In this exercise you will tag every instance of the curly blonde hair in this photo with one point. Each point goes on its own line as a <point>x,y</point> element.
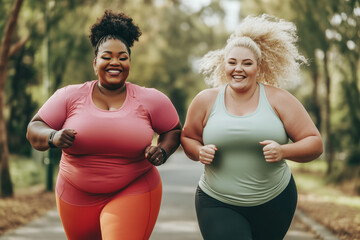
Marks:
<point>273,42</point>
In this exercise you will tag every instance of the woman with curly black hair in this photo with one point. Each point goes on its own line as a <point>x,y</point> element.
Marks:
<point>108,186</point>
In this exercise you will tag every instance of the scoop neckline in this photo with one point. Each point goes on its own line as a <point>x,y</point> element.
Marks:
<point>103,110</point>
<point>243,116</point>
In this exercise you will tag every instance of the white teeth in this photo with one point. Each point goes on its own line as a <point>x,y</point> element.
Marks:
<point>113,71</point>
<point>238,77</point>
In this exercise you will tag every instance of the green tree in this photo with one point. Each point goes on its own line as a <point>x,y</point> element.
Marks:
<point>312,21</point>
<point>175,38</point>
<point>23,74</point>
<point>331,29</point>
<point>5,179</point>
<point>346,22</point>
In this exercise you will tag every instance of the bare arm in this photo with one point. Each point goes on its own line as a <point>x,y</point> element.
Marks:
<point>38,133</point>
<point>191,137</point>
<point>306,140</point>
<point>167,142</point>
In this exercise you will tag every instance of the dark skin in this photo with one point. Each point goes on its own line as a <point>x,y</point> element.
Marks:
<point>38,135</point>
<point>169,141</point>
<point>112,66</point>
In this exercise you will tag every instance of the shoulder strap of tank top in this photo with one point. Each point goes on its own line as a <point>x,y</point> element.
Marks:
<point>219,102</point>
<point>264,100</point>
<point>262,93</point>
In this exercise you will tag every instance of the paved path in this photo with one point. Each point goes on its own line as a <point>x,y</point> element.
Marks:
<point>177,219</point>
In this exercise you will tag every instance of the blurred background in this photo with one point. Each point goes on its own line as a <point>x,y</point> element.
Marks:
<point>45,46</point>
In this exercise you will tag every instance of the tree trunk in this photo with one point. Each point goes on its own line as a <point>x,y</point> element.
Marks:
<point>6,189</point>
<point>315,98</point>
<point>327,126</point>
<point>354,106</point>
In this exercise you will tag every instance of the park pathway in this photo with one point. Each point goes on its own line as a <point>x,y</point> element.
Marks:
<point>177,219</point>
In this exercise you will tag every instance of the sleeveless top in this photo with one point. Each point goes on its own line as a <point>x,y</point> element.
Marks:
<point>239,174</point>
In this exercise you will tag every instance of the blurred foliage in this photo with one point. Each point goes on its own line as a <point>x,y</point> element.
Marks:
<point>330,38</point>
<point>309,181</point>
<point>29,171</point>
<point>174,37</point>
<point>57,52</point>
<point>26,172</point>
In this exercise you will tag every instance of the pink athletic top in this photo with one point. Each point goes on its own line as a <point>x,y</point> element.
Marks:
<point>107,155</point>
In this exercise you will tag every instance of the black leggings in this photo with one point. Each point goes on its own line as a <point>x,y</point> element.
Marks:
<point>270,221</point>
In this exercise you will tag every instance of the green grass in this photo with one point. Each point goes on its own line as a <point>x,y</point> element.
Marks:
<point>30,171</point>
<point>27,172</point>
<point>313,166</point>
<point>311,179</point>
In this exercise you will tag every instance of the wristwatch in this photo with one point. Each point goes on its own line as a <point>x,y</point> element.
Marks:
<point>51,137</point>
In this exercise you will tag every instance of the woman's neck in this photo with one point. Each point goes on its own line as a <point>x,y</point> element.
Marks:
<point>241,103</point>
<point>110,92</point>
<point>244,96</point>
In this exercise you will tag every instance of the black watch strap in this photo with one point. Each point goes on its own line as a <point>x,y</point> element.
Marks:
<point>51,137</point>
<point>164,155</point>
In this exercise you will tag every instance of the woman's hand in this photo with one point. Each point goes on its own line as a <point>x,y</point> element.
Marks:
<point>64,138</point>
<point>155,155</point>
<point>272,151</point>
<point>207,153</point>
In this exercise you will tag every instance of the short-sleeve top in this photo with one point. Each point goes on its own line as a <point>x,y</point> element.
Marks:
<point>108,151</point>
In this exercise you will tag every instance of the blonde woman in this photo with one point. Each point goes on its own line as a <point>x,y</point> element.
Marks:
<point>241,130</point>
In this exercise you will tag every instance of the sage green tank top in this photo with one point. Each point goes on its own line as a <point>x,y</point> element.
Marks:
<point>239,174</point>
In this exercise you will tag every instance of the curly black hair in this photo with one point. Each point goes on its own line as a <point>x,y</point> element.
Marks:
<point>114,26</point>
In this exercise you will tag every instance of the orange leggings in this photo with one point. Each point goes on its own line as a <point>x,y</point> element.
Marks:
<point>130,217</point>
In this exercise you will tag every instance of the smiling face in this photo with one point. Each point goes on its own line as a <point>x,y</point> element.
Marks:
<point>112,64</point>
<point>241,68</point>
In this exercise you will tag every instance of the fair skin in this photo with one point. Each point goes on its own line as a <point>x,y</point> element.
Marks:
<point>241,98</point>
<point>112,66</point>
